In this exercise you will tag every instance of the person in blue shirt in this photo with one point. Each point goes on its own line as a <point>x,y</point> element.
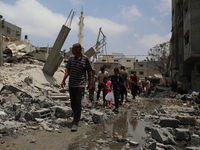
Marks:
<point>116,82</point>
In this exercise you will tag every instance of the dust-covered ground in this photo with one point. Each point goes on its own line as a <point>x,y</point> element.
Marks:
<point>165,120</point>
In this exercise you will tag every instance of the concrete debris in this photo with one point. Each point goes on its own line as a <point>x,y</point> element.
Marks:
<point>63,112</point>
<point>182,134</point>
<point>169,122</point>
<point>28,95</point>
<point>97,117</point>
<point>162,135</point>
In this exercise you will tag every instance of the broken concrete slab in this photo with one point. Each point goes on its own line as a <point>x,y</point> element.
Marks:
<point>59,96</point>
<point>187,120</point>
<point>192,148</point>
<point>62,122</point>
<point>62,111</point>
<point>1,86</point>
<point>42,113</point>
<point>13,99</point>
<point>133,143</point>
<point>182,134</point>
<point>97,117</point>
<point>162,135</point>
<point>152,146</point>
<point>169,122</point>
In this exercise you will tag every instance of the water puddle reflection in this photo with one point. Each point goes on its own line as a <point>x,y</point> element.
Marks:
<point>104,136</point>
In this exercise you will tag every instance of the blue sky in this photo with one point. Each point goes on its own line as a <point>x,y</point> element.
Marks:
<point>132,27</point>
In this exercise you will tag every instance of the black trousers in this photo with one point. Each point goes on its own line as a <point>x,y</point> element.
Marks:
<point>123,92</point>
<point>116,96</point>
<point>76,94</point>
<point>134,90</point>
<point>100,86</point>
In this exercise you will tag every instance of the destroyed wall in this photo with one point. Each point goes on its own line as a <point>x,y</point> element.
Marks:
<point>11,31</point>
<point>184,42</point>
<point>145,68</point>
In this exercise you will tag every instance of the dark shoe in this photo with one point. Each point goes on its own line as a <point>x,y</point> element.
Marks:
<point>74,128</point>
<point>115,110</point>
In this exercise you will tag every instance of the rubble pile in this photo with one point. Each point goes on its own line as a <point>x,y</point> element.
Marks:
<point>172,125</point>
<point>27,95</point>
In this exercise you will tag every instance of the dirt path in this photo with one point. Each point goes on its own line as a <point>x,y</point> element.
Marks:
<point>43,140</point>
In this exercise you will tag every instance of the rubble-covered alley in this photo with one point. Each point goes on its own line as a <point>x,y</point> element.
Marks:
<point>35,113</point>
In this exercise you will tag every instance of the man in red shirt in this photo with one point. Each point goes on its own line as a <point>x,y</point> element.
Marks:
<point>134,83</point>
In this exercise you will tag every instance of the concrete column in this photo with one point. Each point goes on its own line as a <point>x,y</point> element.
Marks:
<point>55,57</point>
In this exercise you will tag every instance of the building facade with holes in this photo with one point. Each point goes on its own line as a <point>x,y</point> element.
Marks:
<point>122,60</point>
<point>145,69</point>
<point>185,43</point>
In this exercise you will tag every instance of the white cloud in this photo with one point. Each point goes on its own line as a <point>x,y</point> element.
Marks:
<point>37,20</point>
<point>109,27</point>
<point>76,2</point>
<point>163,6</point>
<point>130,12</point>
<point>33,18</point>
<point>152,40</point>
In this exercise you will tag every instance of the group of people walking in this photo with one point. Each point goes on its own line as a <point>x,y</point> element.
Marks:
<point>119,84</point>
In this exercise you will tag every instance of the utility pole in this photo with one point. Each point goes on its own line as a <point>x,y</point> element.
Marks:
<point>1,40</point>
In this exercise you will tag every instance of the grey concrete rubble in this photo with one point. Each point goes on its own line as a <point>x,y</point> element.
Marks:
<point>29,95</point>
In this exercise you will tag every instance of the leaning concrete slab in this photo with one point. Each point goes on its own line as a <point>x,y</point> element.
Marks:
<point>55,57</point>
<point>89,53</point>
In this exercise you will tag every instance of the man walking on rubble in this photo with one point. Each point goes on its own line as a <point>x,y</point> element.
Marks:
<point>134,83</point>
<point>77,66</point>
<point>126,81</point>
<point>100,76</point>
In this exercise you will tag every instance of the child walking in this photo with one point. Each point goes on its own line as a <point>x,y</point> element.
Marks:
<point>106,88</point>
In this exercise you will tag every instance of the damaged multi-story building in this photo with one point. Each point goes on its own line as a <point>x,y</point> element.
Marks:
<point>185,43</point>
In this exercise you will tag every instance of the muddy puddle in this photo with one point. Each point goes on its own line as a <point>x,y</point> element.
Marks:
<point>107,132</point>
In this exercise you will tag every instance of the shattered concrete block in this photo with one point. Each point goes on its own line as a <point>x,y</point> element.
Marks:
<point>61,122</point>
<point>8,127</point>
<point>127,146</point>
<point>13,99</point>
<point>63,111</point>
<point>2,114</point>
<point>16,106</point>
<point>4,130</point>
<point>121,139</point>
<point>43,113</point>
<point>60,96</point>
<point>97,117</point>
<point>12,89</point>
<point>28,116</point>
<point>169,122</point>
<point>192,148</point>
<point>182,134</point>
<point>152,146</point>
<point>101,141</point>
<point>28,80</point>
<point>162,135</point>
<point>133,143</point>
<point>187,120</point>
<point>1,86</point>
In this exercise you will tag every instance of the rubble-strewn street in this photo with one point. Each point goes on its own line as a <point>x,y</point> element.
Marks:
<point>35,113</point>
